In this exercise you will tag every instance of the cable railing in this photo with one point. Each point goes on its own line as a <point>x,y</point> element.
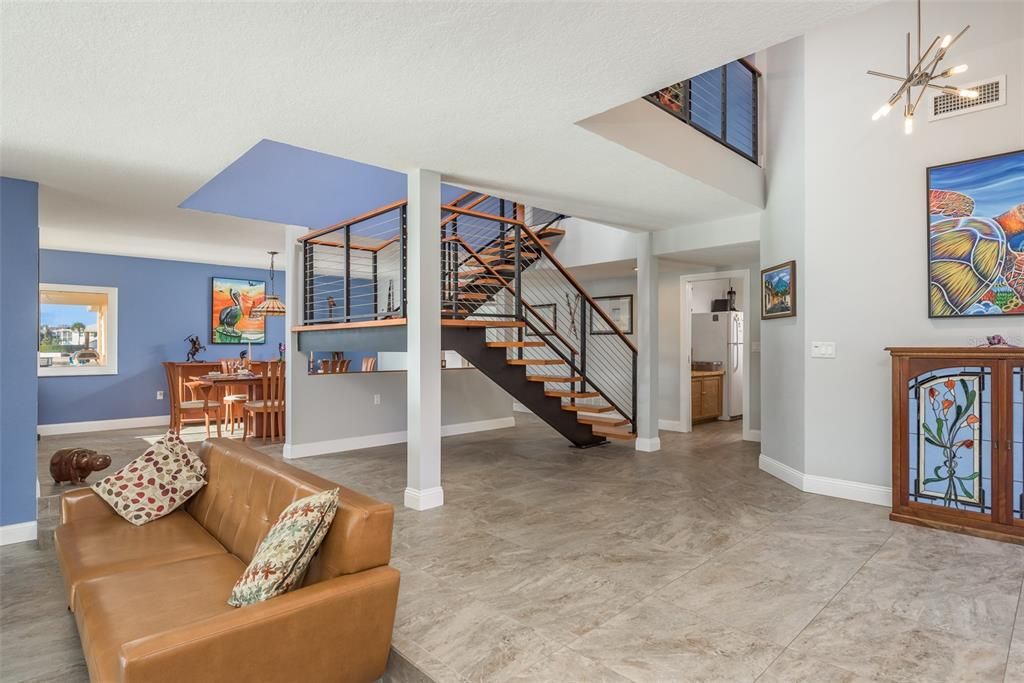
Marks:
<point>493,267</point>
<point>721,103</point>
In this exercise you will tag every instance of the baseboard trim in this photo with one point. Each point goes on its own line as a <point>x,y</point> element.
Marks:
<point>102,425</point>
<point>752,435</point>
<point>354,443</point>
<point>424,499</point>
<point>826,486</point>
<point>520,408</point>
<point>648,445</point>
<point>18,533</point>
<point>670,425</point>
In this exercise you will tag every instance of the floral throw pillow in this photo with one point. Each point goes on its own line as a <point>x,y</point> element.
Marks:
<point>173,442</point>
<point>153,485</point>
<point>286,551</point>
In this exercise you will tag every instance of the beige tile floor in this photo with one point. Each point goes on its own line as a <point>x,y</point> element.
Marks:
<point>553,564</point>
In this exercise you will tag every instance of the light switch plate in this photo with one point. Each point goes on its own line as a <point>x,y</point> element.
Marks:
<point>823,349</point>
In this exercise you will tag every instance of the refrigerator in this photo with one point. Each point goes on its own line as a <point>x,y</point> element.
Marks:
<point>719,337</point>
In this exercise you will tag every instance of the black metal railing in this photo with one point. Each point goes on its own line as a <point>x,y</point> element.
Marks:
<point>356,271</point>
<point>721,103</point>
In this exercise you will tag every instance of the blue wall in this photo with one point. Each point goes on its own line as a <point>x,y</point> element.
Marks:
<point>159,303</point>
<point>19,297</point>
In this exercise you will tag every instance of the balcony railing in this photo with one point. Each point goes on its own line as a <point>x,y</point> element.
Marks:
<point>721,103</point>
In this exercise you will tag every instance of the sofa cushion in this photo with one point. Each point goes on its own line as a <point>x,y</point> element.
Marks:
<point>176,445</point>
<point>101,546</point>
<point>150,486</point>
<point>113,610</point>
<point>284,555</point>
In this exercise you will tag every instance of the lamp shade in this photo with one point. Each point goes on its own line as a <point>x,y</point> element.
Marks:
<point>270,306</point>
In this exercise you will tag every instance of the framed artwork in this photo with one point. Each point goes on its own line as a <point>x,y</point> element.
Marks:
<point>548,312</point>
<point>232,301</point>
<point>619,309</point>
<point>778,291</point>
<point>976,237</point>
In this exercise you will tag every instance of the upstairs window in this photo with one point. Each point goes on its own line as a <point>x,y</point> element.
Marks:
<point>721,103</point>
<point>77,330</point>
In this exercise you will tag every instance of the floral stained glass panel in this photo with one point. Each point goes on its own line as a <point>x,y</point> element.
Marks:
<point>950,440</point>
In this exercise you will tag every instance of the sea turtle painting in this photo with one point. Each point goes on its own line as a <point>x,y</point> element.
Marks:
<point>976,237</point>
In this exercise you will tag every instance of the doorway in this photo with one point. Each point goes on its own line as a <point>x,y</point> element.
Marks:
<point>715,327</point>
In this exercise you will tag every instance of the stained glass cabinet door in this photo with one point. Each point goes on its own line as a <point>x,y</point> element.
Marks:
<point>958,437</point>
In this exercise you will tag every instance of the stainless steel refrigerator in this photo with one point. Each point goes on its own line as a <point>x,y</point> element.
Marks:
<point>719,337</point>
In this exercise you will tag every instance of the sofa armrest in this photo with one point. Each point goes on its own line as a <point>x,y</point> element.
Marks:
<point>82,504</point>
<point>335,630</point>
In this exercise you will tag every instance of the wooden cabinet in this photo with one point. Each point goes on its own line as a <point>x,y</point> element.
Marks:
<point>705,396</point>
<point>958,439</point>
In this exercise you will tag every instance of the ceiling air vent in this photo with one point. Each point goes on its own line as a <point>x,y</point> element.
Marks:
<point>991,93</point>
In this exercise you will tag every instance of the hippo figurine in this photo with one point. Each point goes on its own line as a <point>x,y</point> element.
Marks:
<point>75,464</point>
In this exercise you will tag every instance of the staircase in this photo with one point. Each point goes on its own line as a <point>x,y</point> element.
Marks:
<point>507,305</point>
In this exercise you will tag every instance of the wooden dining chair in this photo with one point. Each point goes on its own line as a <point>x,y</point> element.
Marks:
<point>334,367</point>
<point>188,409</point>
<point>235,395</point>
<point>369,363</point>
<point>270,407</point>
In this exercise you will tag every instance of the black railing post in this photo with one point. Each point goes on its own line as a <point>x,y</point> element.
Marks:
<point>686,100</point>
<point>725,102</point>
<point>307,281</point>
<point>453,264</point>
<point>518,279</point>
<point>374,262</point>
<point>583,347</point>
<point>403,268</point>
<point>753,116</point>
<point>633,417</point>
<point>348,273</point>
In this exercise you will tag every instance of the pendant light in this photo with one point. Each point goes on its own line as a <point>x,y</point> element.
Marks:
<point>271,305</point>
<point>921,75</point>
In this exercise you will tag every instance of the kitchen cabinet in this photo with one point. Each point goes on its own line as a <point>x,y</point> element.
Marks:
<point>705,395</point>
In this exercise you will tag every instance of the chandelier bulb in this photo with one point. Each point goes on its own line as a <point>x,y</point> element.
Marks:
<point>882,111</point>
<point>908,124</point>
<point>946,41</point>
<point>959,69</point>
<point>969,94</point>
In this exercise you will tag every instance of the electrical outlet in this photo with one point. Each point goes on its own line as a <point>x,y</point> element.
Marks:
<point>376,399</point>
<point>159,395</point>
<point>823,349</point>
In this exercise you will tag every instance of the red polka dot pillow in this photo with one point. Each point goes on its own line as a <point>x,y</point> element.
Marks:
<point>286,551</point>
<point>153,485</point>
<point>172,441</point>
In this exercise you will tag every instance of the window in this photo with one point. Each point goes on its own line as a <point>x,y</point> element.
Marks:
<point>77,330</point>
<point>721,103</point>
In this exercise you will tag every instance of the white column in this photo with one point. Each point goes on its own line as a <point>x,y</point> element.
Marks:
<point>423,312</point>
<point>293,285</point>
<point>647,344</point>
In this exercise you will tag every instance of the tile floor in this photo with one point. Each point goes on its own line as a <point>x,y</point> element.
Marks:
<point>552,564</point>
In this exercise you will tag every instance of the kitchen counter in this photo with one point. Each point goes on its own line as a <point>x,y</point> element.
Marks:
<point>706,373</point>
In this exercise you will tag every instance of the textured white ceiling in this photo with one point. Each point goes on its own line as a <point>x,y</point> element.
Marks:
<point>122,110</point>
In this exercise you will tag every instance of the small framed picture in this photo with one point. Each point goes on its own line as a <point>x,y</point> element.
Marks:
<point>619,309</point>
<point>778,291</point>
<point>547,313</point>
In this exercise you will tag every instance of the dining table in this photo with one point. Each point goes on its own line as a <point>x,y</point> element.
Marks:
<point>250,380</point>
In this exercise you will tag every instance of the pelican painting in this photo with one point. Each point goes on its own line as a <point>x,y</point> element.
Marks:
<point>233,301</point>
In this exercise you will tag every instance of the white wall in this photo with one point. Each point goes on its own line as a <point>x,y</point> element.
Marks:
<point>703,292</point>
<point>847,200</point>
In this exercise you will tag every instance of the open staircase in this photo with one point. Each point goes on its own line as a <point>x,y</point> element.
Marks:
<point>507,305</point>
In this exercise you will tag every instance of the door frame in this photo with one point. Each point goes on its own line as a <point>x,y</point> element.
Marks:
<point>686,345</point>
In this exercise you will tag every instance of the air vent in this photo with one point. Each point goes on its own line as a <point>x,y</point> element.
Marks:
<point>991,93</point>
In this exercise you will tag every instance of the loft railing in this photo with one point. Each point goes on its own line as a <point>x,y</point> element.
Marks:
<point>721,103</point>
<point>495,266</point>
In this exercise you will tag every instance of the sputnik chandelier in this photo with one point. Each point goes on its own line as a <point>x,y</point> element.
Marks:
<point>921,76</point>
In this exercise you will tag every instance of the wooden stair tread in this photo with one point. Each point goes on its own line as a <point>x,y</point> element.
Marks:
<point>481,282</point>
<point>550,231</point>
<point>602,421</point>
<point>473,296</point>
<point>481,323</point>
<point>535,361</point>
<point>612,433</point>
<point>572,394</point>
<point>554,379</point>
<point>485,271</point>
<point>587,408</point>
<point>515,344</point>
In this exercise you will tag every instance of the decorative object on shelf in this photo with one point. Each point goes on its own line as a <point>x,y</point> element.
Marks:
<point>572,303</point>
<point>619,309</point>
<point>73,465</point>
<point>778,291</point>
<point>976,237</point>
<point>272,304</point>
<point>957,456</point>
<point>331,305</point>
<point>195,348</point>
<point>231,299</point>
<point>997,340</point>
<point>922,76</point>
<point>280,351</point>
<point>547,312</point>
<point>243,355</point>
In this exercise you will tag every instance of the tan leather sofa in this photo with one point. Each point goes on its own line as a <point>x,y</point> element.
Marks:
<point>151,601</point>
